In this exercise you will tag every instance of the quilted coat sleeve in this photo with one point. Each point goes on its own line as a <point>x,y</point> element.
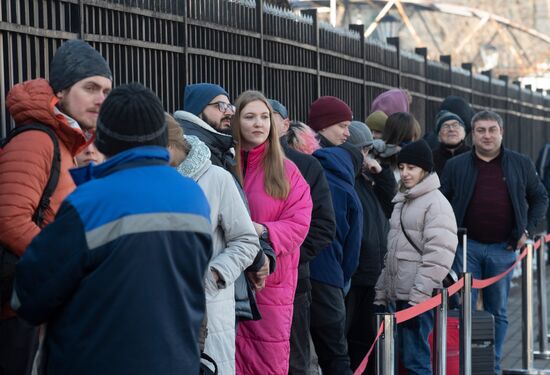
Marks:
<point>241,239</point>
<point>289,231</point>
<point>25,164</point>
<point>440,241</point>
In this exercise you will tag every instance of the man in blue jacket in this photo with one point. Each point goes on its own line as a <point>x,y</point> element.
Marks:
<point>333,267</point>
<point>118,276</point>
<point>497,195</point>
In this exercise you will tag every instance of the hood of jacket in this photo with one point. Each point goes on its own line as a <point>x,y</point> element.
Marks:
<point>429,183</point>
<point>35,102</point>
<point>197,160</point>
<point>194,125</point>
<point>338,162</point>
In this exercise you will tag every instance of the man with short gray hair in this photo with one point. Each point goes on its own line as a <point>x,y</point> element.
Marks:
<point>497,195</point>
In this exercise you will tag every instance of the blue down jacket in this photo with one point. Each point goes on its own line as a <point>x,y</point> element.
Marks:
<point>118,276</point>
<point>336,264</point>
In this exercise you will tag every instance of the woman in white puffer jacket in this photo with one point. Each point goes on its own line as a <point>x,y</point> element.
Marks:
<point>235,242</point>
<point>421,246</point>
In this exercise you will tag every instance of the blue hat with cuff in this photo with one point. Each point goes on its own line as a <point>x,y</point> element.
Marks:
<point>198,95</point>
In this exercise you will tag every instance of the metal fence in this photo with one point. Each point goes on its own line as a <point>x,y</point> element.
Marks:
<point>241,45</point>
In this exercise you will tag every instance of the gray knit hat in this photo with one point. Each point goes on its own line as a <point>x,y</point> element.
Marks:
<point>76,60</point>
<point>360,134</point>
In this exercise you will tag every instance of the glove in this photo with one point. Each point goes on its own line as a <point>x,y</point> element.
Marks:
<point>380,309</point>
<point>413,323</point>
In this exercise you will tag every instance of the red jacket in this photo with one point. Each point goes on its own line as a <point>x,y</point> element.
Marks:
<point>25,163</point>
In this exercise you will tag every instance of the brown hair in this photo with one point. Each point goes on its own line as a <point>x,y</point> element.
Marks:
<point>176,136</point>
<point>401,127</point>
<point>276,183</point>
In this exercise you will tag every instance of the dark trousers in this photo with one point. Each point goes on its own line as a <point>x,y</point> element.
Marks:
<point>300,351</point>
<point>361,326</point>
<point>328,325</point>
<point>18,344</point>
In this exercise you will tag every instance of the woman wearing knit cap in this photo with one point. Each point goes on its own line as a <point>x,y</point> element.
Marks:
<point>421,246</point>
<point>376,122</point>
<point>392,101</point>
<point>330,118</point>
<point>280,207</point>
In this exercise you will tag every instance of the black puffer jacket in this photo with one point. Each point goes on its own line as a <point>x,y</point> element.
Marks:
<point>375,192</point>
<point>323,227</point>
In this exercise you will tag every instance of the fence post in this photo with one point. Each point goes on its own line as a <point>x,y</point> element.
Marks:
<point>440,335</point>
<point>488,74</point>
<point>527,316</point>
<point>313,14</point>
<point>446,59</point>
<point>184,57</point>
<point>394,41</point>
<point>385,346</point>
<point>260,29</point>
<point>361,30</point>
<point>468,67</point>
<point>543,352</point>
<point>423,51</point>
<point>466,326</point>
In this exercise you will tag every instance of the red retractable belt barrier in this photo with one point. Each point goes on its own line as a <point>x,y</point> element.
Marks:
<point>414,311</point>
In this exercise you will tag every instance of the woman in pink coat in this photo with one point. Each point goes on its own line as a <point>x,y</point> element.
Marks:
<point>280,207</point>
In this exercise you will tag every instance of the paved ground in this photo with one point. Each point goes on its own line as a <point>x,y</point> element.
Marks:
<point>512,357</point>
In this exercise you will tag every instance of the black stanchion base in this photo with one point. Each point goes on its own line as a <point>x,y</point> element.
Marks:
<point>542,355</point>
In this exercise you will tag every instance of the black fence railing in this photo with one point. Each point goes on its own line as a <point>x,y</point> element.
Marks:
<point>245,44</point>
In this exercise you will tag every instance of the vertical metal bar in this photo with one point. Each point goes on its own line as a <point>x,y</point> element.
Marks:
<point>440,335</point>
<point>260,29</point>
<point>466,327</point>
<point>465,251</point>
<point>313,14</point>
<point>527,308</point>
<point>385,346</point>
<point>543,352</point>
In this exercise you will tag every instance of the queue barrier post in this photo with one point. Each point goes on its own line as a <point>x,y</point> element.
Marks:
<point>440,334</point>
<point>385,346</point>
<point>543,352</point>
<point>466,326</point>
<point>527,317</point>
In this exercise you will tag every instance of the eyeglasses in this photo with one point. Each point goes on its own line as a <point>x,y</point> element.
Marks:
<point>452,125</point>
<point>224,107</point>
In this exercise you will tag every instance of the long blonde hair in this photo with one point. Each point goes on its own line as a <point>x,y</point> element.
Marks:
<point>276,183</point>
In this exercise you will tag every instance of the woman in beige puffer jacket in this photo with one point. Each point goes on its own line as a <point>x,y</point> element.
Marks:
<point>410,276</point>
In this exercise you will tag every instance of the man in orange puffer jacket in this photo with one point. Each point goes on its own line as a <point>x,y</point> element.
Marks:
<point>68,103</point>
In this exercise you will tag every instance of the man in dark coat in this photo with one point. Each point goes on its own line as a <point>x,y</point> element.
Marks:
<point>321,233</point>
<point>376,188</point>
<point>451,131</point>
<point>496,194</point>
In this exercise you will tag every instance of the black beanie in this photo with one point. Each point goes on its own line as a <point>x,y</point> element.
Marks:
<point>417,153</point>
<point>74,61</point>
<point>131,116</point>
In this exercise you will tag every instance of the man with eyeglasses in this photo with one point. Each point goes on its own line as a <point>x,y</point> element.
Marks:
<point>207,114</point>
<point>497,195</point>
<point>451,132</point>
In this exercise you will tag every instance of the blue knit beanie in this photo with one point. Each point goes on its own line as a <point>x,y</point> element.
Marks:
<point>198,95</point>
<point>279,108</point>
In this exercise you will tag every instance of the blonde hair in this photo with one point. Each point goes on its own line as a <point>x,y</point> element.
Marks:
<point>176,136</point>
<point>276,183</point>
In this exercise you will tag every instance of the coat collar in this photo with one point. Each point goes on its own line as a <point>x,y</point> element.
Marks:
<point>429,183</point>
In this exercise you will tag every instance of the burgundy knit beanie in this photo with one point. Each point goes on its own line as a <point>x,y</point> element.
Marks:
<point>327,111</point>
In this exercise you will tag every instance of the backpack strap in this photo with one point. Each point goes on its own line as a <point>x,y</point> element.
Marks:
<point>53,179</point>
<point>405,232</point>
